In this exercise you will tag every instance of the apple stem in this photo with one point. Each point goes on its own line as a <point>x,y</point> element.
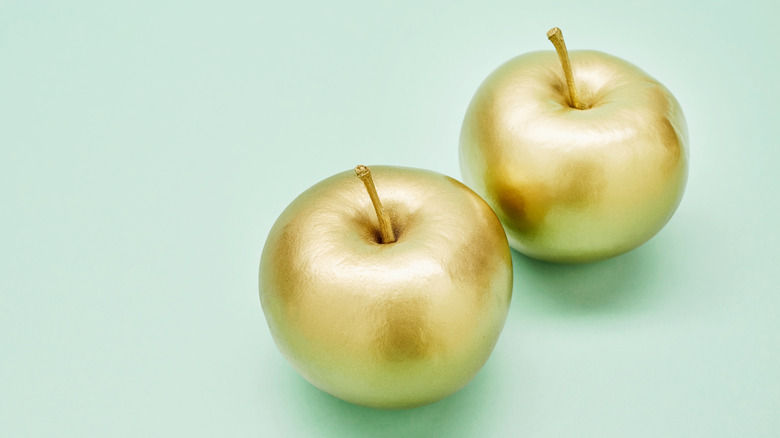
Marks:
<point>385,226</point>
<point>556,37</point>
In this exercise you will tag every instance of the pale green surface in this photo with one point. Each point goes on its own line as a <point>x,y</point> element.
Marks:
<point>146,148</point>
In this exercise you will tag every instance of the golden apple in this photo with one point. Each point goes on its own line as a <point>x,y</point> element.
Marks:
<point>388,319</point>
<point>575,173</point>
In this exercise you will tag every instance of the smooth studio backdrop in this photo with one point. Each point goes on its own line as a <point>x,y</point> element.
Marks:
<point>146,148</point>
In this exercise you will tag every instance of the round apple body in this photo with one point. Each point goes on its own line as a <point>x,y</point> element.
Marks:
<point>575,185</point>
<point>387,325</point>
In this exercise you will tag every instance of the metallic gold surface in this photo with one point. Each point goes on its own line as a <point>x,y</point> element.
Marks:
<point>387,325</point>
<point>575,185</point>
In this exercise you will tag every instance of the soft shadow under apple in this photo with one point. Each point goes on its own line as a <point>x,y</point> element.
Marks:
<point>610,286</point>
<point>329,416</point>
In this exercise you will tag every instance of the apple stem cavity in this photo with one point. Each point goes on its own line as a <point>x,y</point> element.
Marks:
<point>385,226</point>
<point>556,37</point>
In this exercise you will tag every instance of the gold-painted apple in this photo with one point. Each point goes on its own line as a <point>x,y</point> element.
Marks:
<point>388,317</point>
<point>581,160</point>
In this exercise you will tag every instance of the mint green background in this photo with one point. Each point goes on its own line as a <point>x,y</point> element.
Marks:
<point>146,148</point>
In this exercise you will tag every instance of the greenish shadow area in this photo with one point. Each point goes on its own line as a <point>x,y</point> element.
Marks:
<point>616,285</point>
